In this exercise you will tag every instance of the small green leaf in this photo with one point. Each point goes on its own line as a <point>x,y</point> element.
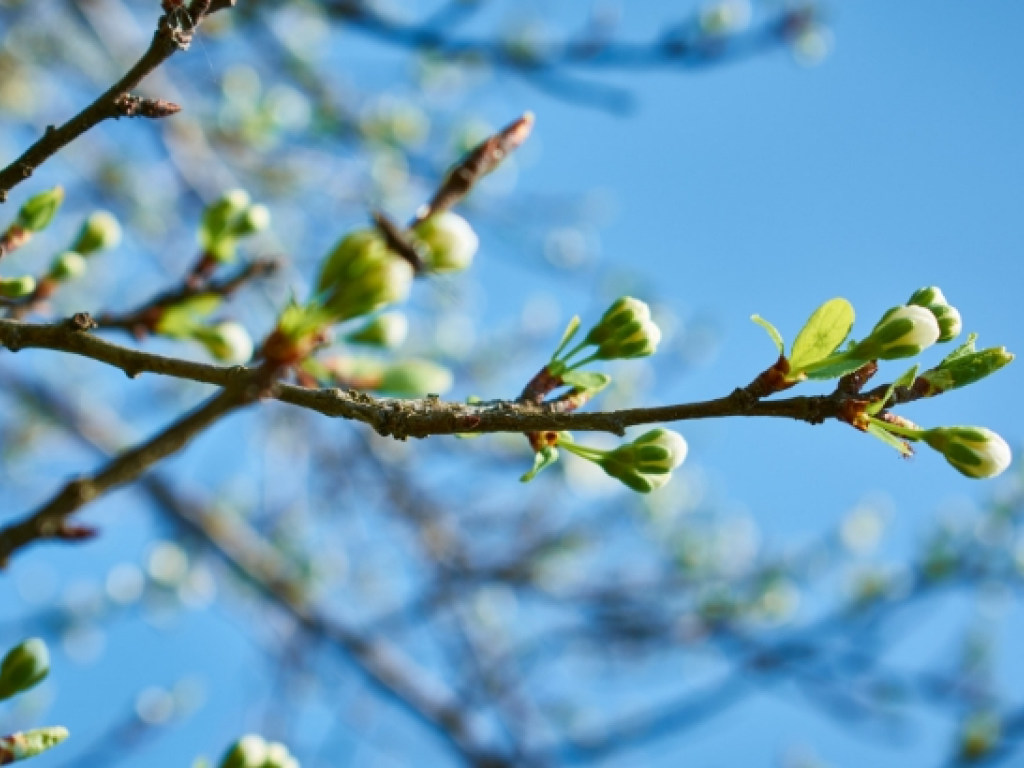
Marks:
<point>588,381</point>
<point>772,331</point>
<point>967,348</point>
<point>836,370</point>
<point>544,458</point>
<point>907,379</point>
<point>903,381</point>
<point>181,319</point>
<point>824,331</point>
<point>890,439</point>
<point>570,331</point>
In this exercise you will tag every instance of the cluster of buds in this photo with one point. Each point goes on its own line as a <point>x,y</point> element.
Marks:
<point>644,465</point>
<point>99,232</point>
<point>24,667</point>
<point>253,751</point>
<point>34,216</point>
<point>625,331</point>
<point>226,341</point>
<point>361,275</point>
<point>947,316</point>
<point>964,366</point>
<point>227,220</point>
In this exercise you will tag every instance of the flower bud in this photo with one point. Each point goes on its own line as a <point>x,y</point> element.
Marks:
<point>278,756</point>
<point>100,232</point>
<point>450,242</point>
<point>964,369</point>
<point>38,211</point>
<point>255,219</point>
<point>361,275</point>
<point>23,667</point>
<point>387,330</point>
<point>221,213</point>
<point>17,287</point>
<point>974,451</point>
<point>947,315</point>
<point>67,266</point>
<point>646,463</point>
<point>415,377</point>
<point>625,331</point>
<point>21,746</point>
<point>228,342</point>
<point>250,751</point>
<point>902,332</point>
<point>621,313</point>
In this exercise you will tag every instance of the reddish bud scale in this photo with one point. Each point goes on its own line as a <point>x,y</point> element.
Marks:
<point>771,380</point>
<point>539,386</point>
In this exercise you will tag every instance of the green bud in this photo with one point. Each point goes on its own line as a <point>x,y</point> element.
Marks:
<point>974,451</point>
<point>646,463</point>
<point>24,667</point>
<point>216,232</point>
<point>68,266</point>
<point>947,315</point>
<point>927,297</point>
<point>228,342</point>
<point>278,756</point>
<point>902,332</point>
<point>622,312</point>
<point>38,211</point>
<point>100,232</point>
<point>361,275</point>
<point>21,746</point>
<point>625,330</point>
<point>449,240</point>
<point>17,287</point>
<point>387,330</point>
<point>250,751</point>
<point>964,369</point>
<point>415,377</point>
<point>255,219</point>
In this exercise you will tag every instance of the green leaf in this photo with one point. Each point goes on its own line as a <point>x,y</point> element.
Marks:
<point>588,381</point>
<point>837,369</point>
<point>824,331</point>
<point>903,381</point>
<point>890,439</point>
<point>907,379</point>
<point>967,348</point>
<point>570,331</point>
<point>772,331</point>
<point>544,458</point>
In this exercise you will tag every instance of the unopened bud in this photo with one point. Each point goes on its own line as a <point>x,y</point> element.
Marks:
<point>974,451</point>
<point>21,746</point>
<point>946,314</point>
<point>415,377</point>
<point>625,331</point>
<point>450,242</point>
<point>250,751</point>
<point>100,232</point>
<point>24,667</point>
<point>17,287</point>
<point>255,219</point>
<point>964,369</point>
<point>219,219</point>
<point>278,756</point>
<point>902,332</point>
<point>38,211</point>
<point>68,266</point>
<point>646,463</point>
<point>228,342</point>
<point>362,275</point>
<point>387,330</point>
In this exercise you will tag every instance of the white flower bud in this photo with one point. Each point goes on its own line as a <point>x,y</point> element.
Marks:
<point>974,451</point>
<point>450,242</point>
<point>902,332</point>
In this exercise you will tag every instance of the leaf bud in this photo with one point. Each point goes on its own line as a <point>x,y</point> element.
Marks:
<point>24,667</point>
<point>99,232</point>
<point>449,240</point>
<point>963,369</point>
<point>946,314</point>
<point>38,211</point>
<point>974,451</point>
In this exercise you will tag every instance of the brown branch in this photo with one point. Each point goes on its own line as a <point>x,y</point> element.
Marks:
<point>429,416</point>
<point>50,520</point>
<point>173,33</point>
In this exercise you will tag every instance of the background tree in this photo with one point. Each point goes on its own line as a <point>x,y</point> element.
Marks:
<point>411,602</point>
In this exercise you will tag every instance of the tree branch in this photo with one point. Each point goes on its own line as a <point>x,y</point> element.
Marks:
<point>173,33</point>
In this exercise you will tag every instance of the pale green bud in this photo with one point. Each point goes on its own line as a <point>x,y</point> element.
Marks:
<point>255,219</point>
<point>902,332</point>
<point>24,667</point>
<point>450,242</point>
<point>387,330</point>
<point>278,756</point>
<point>621,313</point>
<point>100,232</point>
<point>947,315</point>
<point>21,746</point>
<point>974,451</point>
<point>361,275</point>
<point>965,369</point>
<point>17,287</point>
<point>228,342</point>
<point>216,235</point>
<point>646,464</point>
<point>68,266</point>
<point>415,377</point>
<point>38,211</point>
<point>250,751</point>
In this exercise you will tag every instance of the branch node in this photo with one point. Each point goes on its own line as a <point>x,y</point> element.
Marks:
<point>82,321</point>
